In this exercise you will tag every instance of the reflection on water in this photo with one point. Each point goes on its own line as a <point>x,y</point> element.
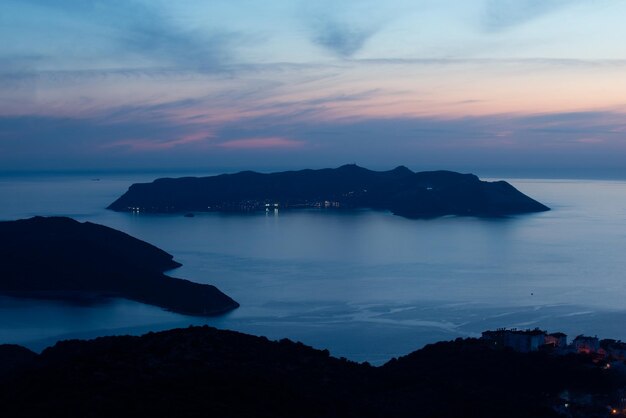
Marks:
<point>367,285</point>
<point>39,323</point>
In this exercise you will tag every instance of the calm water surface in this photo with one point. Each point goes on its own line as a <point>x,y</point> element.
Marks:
<point>366,285</point>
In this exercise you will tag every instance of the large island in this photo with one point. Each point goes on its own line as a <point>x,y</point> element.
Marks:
<point>60,258</point>
<point>401,191</point>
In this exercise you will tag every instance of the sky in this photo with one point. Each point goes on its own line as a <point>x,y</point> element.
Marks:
<point>529,88</point>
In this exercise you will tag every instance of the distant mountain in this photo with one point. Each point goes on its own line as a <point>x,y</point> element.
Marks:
<point>205,372</point>
<point>403,192</point>
<point>61,258</point>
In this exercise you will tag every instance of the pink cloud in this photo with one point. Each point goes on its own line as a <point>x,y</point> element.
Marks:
<point>141,144</point>
<point>261,143</point>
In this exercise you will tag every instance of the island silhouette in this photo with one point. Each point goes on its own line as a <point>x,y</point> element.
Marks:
<point>203,371</point>
<point>406,193</point>
<point>61,258</point>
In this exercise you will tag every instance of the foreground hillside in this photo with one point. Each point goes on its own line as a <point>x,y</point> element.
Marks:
<point>202,371</point>
<point>401,191</point>
<point>61,258</point>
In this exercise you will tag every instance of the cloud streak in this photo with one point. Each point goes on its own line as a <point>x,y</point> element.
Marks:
<point>262,143</point>
<point>339,37</point>
<point>344,28</point>
<point>134,35</point>
<point>504,14</point>
<point>549,144</point>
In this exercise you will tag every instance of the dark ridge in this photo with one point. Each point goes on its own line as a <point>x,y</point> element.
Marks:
<point>401,191</point>
<point>14,357</point>
<point>61,258</point>
<point>202,371</point>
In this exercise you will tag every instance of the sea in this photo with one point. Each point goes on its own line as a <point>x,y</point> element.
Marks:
<point>366,285</point>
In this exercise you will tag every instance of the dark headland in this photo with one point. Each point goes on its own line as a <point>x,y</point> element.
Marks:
<point>61,258</point>
<point>401,191</point>
<point>205,372</point>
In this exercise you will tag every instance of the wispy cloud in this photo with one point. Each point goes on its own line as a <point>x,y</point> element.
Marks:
<point>159,40</point>
<point>548,143</point>
<point>344,28</point>
<point>261,143</point>
<point>58,136</point>
<point>116,34</point>
<point>503,14</point>
<point>157,144</point>
<point>340,37</point>
<point>524,61</point>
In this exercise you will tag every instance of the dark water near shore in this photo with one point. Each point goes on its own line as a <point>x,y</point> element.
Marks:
<point>366,285</point>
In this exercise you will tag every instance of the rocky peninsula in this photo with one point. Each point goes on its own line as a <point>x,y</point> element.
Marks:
<point>61,258</point>
<point>401,191</point>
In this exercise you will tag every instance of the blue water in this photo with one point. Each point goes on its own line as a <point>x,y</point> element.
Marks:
<point>366,285</point>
